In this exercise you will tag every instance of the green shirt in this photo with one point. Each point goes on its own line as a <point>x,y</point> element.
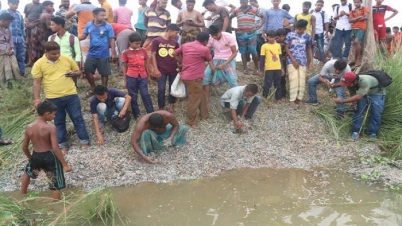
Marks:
<point>65,48</point>
<point>368,85</point>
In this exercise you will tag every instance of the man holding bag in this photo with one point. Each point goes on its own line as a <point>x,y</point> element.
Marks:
<point>192,56</point>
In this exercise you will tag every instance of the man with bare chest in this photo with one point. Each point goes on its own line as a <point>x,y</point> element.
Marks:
<point>156,130</point>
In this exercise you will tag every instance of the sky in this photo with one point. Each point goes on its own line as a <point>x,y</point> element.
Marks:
<point>294,4</point>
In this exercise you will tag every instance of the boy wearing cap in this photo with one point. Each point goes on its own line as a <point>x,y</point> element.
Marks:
<point>364,90</point>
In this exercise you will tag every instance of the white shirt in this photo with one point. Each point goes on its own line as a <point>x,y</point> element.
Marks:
<point>319,25</point>
<point>343,22</point>
<point>234,95</point>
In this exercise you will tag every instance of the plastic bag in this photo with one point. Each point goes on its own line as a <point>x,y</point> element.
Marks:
<point>178,88</point>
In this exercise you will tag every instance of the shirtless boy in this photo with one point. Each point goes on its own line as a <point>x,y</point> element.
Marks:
<point>47,155</point>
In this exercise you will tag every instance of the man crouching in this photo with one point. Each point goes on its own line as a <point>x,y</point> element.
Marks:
<point>156,130</point>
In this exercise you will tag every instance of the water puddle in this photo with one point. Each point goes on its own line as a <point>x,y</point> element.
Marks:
<point>261,197</point>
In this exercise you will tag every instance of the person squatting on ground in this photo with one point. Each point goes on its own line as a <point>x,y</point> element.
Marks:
<point>55,72</point>
<point>246,33</point>
<point>330,74</point>
<point>192,56</point>
<point>271,66</point>
<point>224,46</point>
<point>106,104</point>
<point>165,66</point>
<point>46,154</point>
<point>369,95</point>
<point>155,131</point>
<point>137,74</point>
<point>243,102</point>
<point>300,56</point>
<point>358,18</point>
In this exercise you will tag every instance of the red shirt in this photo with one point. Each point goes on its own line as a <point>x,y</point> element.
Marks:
<point>117,28</point>
<point>379,14</point>
<point>135,59</point>
<point>194,56</point>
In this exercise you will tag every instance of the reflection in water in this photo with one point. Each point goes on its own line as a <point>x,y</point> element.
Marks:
<point>260,197</point>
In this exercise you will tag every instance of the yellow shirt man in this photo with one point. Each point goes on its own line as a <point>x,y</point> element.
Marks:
<point>54,81</point>
<point>309,19</point>
<point>272,54</point>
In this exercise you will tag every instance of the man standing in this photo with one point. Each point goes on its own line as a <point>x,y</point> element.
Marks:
<point>260,40</point>
<point>224,45</point>
<point>219,16</point>
<point>55,73</point>
<point>34,33</point>
<point>321,28</point>
<point>109,10</point>
<point>70,24</point>
<point>379,20</point>
<point>84,14</point>
<point>156,130</point>
<point>17,30</point>
<point>192,56</point>
<point>343,31</point>
<point>122,14</point>
<point>45,17</point>
<point>101,36</point>
<point>246,33</point>
<point>274,18</point>
<point>106,104</point>
<point>369,94</point>
<point>330,74</point>
<point>69,44</point>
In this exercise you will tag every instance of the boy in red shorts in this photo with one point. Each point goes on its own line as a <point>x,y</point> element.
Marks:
<point>47,155</point>
<point>379,20</point>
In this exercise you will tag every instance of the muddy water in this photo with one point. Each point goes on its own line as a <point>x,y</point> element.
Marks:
<point>261,197</point>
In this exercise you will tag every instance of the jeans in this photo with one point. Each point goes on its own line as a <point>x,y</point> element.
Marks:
<point>72,106</point>
<point>162,89</point>
<point>105,113</point>
<point>20,53</point>
<point>375,103</point>
<point>251,109</point>
<point>273,76</point>
<point>133,86</point>
<point>312,90</point>
<point>342,37</point>
<point>320,45</point>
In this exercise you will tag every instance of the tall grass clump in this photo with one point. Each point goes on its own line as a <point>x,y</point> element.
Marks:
<point>96,207</point>
<point>16,113</point>
<point>390,134</point>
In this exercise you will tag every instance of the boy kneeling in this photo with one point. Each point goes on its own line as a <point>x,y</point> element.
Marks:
<point>47,155</point>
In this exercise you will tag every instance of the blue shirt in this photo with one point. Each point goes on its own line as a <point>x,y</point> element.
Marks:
<point>297,46</point>
<point>111,95</point>
<point>274,19</point>
<point>99,39</point>
<point>17,27</point>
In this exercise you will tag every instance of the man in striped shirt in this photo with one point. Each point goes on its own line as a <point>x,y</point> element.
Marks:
<point>246,32</point>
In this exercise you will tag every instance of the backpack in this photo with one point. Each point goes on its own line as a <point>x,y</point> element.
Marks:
<point>322,15</point>
<point>383,78</point>
<point>349,5</point>
<point>121,124</point>
<point>71,39</point>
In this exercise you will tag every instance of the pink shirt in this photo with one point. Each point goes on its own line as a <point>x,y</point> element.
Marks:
<point>222,50</point>
<point>194,56</point>
<point>123,15</point>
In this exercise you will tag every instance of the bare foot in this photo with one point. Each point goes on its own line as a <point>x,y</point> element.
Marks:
<point>301,104</point>
<point>64,151</point>
<point>294,105</point>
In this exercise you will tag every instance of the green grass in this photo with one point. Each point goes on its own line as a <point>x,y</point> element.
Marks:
<point>390,134</point>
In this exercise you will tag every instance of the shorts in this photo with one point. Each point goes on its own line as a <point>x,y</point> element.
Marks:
<point>380,32</point>
<point>247,43</point>
<point>50,164</point>
<point>101,64</point>
<point>358,33</point>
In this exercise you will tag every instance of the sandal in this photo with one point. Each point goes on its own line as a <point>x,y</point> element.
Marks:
<point>6,141</point>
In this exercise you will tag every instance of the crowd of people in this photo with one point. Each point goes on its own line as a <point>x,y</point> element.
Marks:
<point>84,40</point>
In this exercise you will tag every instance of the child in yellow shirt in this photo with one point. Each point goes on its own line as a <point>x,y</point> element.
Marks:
<point>271,66</point>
